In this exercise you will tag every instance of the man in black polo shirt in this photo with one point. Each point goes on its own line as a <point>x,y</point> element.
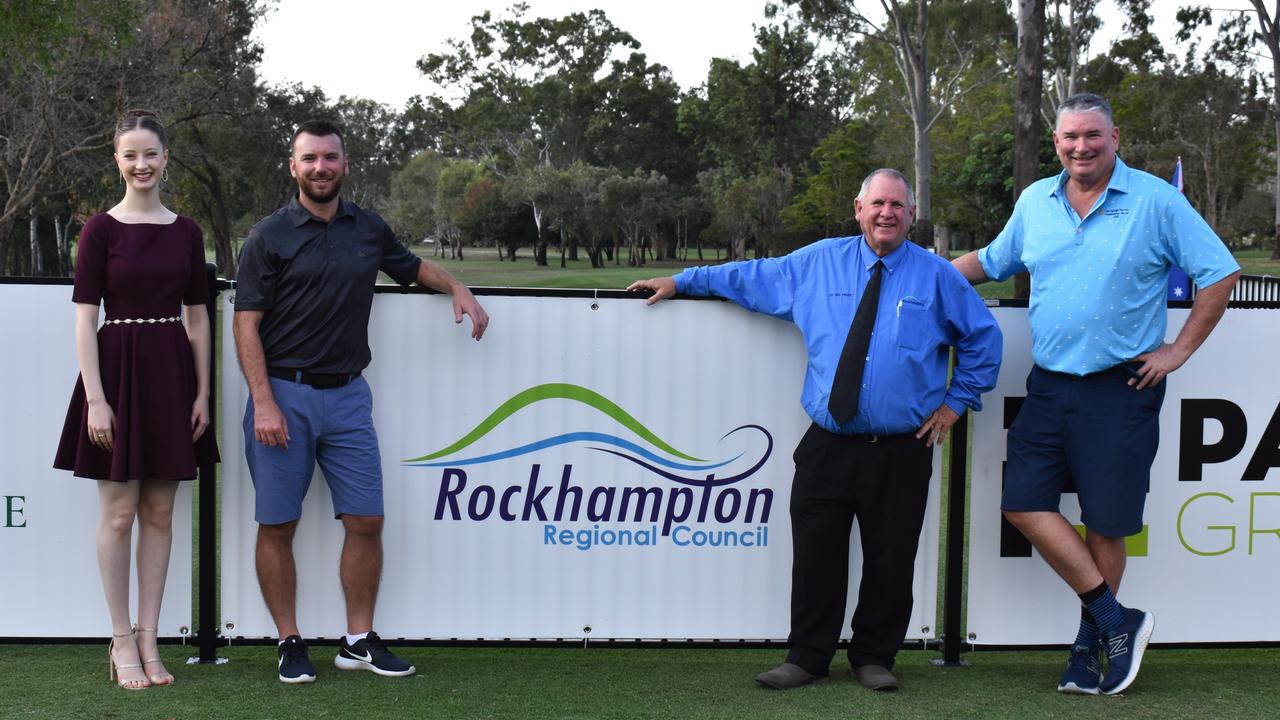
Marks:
<point>303,296</point>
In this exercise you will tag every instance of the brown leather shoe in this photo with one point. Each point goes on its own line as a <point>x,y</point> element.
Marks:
<point>875,677</point>
<point>787,676</point>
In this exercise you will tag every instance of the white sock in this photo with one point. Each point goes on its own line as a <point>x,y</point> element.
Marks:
<point>353,639</point>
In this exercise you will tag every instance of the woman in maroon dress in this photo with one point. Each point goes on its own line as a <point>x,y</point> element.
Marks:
<point>139,415</point>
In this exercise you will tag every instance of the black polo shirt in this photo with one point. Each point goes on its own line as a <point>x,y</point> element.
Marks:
<point>314,281</point>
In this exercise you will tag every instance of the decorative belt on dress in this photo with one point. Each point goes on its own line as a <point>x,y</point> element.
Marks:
<point>140,321</point>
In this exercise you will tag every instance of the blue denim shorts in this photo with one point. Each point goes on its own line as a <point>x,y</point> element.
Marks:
<point>1094,433</point>
<point>332,427</point>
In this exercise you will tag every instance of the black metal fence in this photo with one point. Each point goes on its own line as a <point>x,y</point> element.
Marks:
<point>1257,288</point>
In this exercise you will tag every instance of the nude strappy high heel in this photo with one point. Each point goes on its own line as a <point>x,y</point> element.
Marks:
<point>132,684</point>
<point>160,678</point>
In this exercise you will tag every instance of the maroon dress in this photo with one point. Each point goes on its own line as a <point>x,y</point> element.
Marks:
<point>141,271</point>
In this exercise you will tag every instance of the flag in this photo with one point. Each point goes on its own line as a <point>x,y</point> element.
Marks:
<point>1179,283</point>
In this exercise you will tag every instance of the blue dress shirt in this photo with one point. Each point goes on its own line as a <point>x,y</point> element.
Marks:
<point>925,307</point>
<point>1098,284</point>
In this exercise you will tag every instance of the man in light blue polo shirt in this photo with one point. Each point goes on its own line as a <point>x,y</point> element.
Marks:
<point>1099,240</point>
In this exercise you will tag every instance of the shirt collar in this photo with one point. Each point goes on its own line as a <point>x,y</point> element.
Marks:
<point>301,216</point>
<point>1119,181</point>
<point>868,258</point>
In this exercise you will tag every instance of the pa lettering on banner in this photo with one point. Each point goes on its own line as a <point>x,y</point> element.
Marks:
<point>1212,512</point>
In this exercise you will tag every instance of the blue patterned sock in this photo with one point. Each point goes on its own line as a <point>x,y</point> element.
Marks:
<point>1087,635</point>
<point>1101,604</point>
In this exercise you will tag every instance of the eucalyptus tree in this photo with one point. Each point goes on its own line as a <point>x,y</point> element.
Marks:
<point>587,219</point>
<point>824,204</point>
<point>638,203</point>
<point>414,199</point>
<point>636,126</point>
<point>457,178</point>
<point>934,45</point>
<point>58,61</point>
<point>1207,108</point>
<point>1067,34</point>
<point>1269,34</point>
<point>527,90</point>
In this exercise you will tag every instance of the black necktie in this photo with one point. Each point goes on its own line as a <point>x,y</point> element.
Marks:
<point>843,403</point>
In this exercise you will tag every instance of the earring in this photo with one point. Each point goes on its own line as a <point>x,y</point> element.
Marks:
<point>164,176</point>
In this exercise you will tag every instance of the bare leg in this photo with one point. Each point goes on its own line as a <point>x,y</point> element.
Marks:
<point>278,575</point>
<point>1061,546</point>
<point>1109,556</point>
<point>155,542</point>
<point>117,506</point>
<point>361,569</point>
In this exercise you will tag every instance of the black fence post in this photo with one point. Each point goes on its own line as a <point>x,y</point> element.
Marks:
<point>953,584</point>
<point>207,623</point>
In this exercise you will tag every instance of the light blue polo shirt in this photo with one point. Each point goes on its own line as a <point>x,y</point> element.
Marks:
<point>1098,284</point>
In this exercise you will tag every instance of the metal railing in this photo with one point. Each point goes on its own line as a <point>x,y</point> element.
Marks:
<point>1257,288</point>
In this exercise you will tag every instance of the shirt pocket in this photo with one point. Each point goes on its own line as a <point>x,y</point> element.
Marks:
<point>913,323</point>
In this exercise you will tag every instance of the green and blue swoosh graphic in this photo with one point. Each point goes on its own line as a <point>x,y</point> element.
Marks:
<point>670,463</point>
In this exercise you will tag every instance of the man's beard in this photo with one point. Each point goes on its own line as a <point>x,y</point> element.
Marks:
<point>321,199</point>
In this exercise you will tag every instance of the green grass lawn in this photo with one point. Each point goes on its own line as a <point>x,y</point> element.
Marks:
<point>528,684</point>
<point>482,268</point>
<point>1258,262</point>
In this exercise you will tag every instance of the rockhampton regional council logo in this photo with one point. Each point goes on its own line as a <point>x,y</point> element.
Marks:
<point>679,498</point>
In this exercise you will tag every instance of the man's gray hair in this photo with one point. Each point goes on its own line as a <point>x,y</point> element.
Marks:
<point>911,196</point>
<point>1085,102</point>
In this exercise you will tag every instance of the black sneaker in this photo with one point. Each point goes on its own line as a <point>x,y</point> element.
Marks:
<point>371,654</point>
<point>295,664</point>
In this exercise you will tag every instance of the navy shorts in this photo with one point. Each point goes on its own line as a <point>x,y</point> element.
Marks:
<point>1096,432</point>
<point>332,427</point>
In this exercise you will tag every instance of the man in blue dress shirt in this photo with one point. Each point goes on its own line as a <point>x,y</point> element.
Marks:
<point>1099,240</point>
<point>874,464</point>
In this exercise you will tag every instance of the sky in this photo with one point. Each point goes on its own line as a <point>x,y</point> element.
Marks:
<point>369,48</point>
<point>385,38</point>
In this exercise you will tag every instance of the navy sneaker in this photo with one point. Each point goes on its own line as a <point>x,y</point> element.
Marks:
<point>1124,647</point>
<point>1083,673</point>
<point>295,664</point>
<point>371,654</point>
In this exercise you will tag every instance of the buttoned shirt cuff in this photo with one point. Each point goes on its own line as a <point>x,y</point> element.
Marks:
<point>957,405</point>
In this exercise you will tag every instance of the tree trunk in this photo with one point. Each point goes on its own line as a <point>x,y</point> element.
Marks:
<point>1275,243</point>
<point>37,258</point>
<point>539,245</point>
<point>1026,115</point>
<point>924,194</point>
<point>64,245</point>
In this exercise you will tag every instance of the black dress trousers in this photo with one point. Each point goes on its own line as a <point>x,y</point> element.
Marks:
<point>884,485</point>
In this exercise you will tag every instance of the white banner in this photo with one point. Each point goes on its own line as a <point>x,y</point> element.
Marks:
<point>51,583</point>
<point>1205,565</point>
<point>594,469</point>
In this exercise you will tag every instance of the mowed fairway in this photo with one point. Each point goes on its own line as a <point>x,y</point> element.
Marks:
<point>482,268</point>
<point>601,682</point>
